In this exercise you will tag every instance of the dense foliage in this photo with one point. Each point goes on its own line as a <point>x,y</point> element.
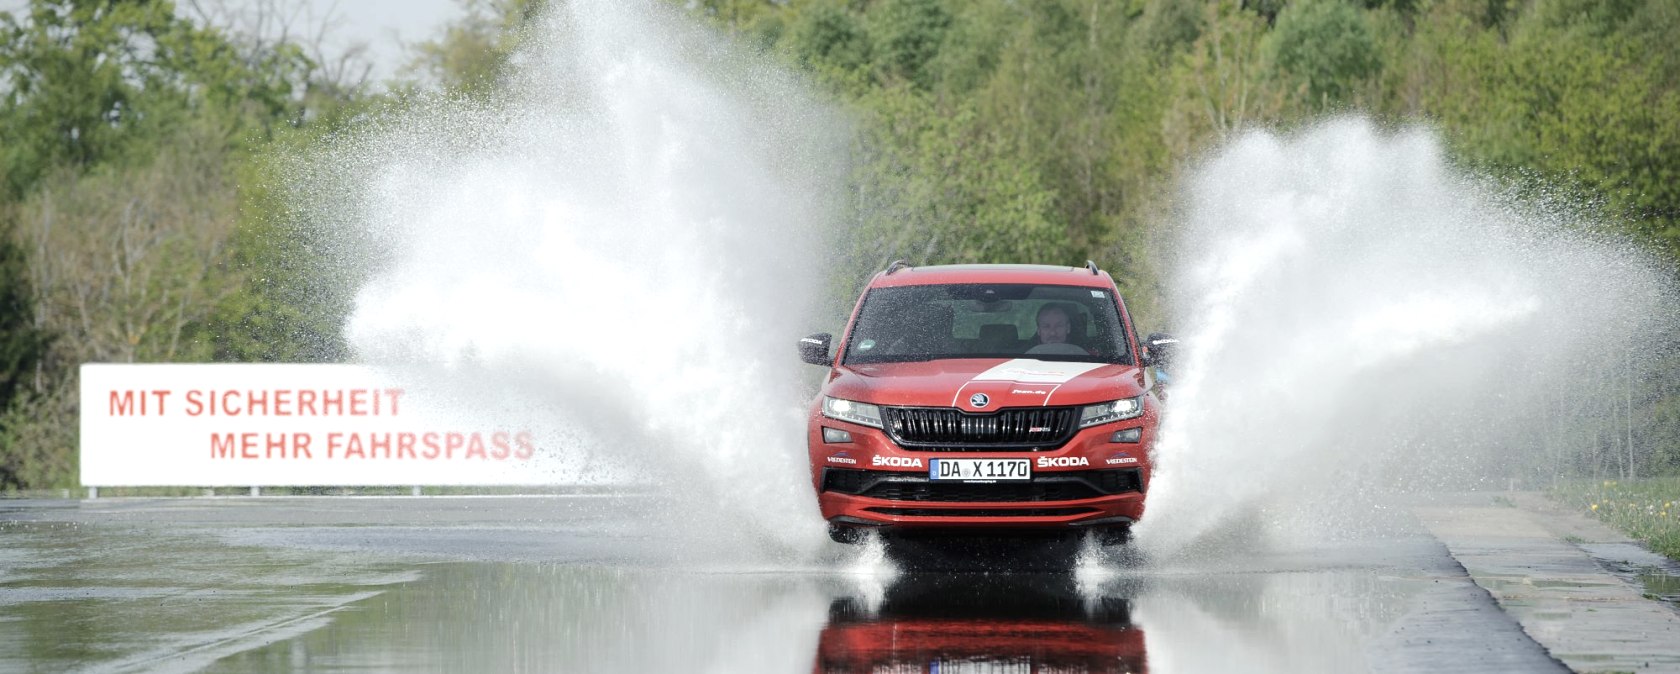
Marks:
<point>993,130</point>
<point>1047,130</point>
<point>139,149</point>
<point>127,130</point>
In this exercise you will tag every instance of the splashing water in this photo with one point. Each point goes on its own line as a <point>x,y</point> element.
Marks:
<point>614,250</point>
<point>1358,317</point>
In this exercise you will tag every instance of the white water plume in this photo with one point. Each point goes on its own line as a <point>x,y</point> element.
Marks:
<point>618,247</point>
<point>1358,316</point>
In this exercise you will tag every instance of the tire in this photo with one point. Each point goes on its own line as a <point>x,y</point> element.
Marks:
<point>840,533</point>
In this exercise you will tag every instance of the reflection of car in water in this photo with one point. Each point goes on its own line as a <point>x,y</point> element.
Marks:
<point>984,399</point>
<point>994,623</point>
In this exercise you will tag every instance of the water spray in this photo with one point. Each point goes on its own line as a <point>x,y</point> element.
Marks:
<point>614,250</point>
<point>1359,317</point>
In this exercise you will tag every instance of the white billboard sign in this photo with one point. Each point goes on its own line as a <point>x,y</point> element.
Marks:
<point>248,424</point>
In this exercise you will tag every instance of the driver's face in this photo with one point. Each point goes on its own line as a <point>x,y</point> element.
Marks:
<point>1052,327</point>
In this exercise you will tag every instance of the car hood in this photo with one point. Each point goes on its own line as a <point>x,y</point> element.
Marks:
<point>1020,382</point>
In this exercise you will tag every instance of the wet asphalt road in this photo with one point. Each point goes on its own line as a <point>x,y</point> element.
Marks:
<point>569,584</point>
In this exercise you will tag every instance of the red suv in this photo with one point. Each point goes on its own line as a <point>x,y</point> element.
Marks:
<point>984,398</point>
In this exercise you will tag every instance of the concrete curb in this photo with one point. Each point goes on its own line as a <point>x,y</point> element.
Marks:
<point>1581,614</point>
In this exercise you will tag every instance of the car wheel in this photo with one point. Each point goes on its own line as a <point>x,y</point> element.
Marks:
<point>840,533</point>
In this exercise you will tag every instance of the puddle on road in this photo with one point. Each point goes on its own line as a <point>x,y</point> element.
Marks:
<point>114,599</point>
<point>525,617</point>
<point>1659,576</point>
<point>152,592</point>
<point>1661,584</point>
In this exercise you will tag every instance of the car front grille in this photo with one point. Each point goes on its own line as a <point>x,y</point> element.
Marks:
<point>950,429</point>
<point>1062,486</point>
<point>960,492</point>
<point>990,512</point>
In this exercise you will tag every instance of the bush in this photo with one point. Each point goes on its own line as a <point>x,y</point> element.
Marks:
<point>1325,48</point>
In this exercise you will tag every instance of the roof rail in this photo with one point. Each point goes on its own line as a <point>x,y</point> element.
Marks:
<point>897,265</point>
<point>1091,266</point>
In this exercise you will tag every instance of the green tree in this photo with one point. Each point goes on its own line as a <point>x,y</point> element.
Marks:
<point>1325,48</point>
<point>1169,25</point>
<point>471,53</point>
<point>1221,80</point>
<point>89,81</point>
<point>906,36</point>
<point>1572,100</point>
<point>827,38</point>
<point>946,198</point>
<point>22,343</point>
<point>124,126</point>
<point>293,295</point>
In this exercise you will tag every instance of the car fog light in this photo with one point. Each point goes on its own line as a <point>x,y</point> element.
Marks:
<point>836,436</point>
<point>1130,435</point>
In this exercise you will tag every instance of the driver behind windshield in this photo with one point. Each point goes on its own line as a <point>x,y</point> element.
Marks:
<point>1054,324</point>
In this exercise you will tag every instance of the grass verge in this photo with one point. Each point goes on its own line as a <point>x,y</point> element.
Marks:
<point>1647,510</point>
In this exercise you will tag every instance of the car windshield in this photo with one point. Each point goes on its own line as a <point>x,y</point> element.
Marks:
<point>1046,322</point>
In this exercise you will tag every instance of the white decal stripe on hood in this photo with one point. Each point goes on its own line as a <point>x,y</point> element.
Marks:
<point>1052,392</point>
<point>958,395</point>
<point>1029,371</point>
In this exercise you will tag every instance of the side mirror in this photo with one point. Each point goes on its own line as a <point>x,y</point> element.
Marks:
<point>1158,349</point>
<point>813,348</point>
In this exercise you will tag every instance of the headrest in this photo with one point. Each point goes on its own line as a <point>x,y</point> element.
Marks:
<point>999,332</point>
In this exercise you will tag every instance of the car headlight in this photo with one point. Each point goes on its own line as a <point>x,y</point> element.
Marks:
<point>1102,413</point>
<point>855,412</point>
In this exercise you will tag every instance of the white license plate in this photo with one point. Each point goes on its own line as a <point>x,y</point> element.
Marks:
<point>979,470</point>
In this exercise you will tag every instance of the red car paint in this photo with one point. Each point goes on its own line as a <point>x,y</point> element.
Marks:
<point>980,645</point>
<point>1008,622</point>
<point>949,383</point>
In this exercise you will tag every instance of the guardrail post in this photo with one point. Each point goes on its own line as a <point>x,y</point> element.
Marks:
<point>256,491</point>
<point>416,490</point>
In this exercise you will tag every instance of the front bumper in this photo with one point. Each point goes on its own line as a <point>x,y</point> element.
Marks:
<point>1089,481</point>
<point>1054,500</point>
